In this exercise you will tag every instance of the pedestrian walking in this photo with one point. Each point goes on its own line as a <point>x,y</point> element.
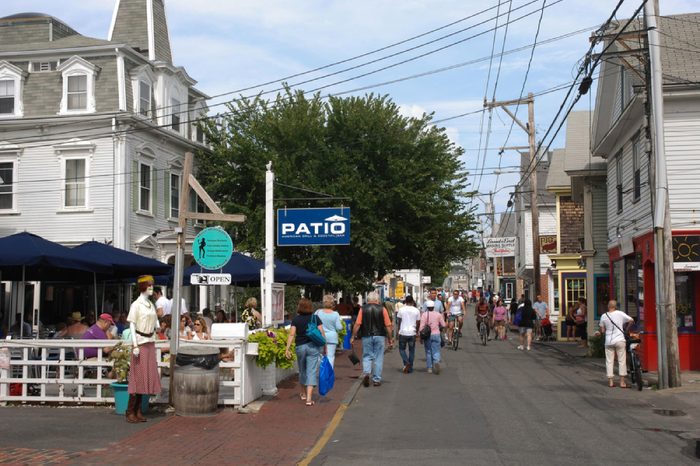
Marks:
<point>408,320</point>
<point>499,319</point>
<point>144,378</point>
<point>330,319</point>
<point>308,353</point>
<point>542,312</point>
<point>571,322</point>
<point>374,326</point>
<point>435,321</point>
<point>581,318</point>
<point>613,324</point>
<point>527,318</point>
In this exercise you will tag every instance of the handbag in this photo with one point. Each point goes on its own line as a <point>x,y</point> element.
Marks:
<point>326,377</point>
<point>425,332</point>
<point>314,333</point>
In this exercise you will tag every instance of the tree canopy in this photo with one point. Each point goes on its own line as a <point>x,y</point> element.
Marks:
<point>405,183</point>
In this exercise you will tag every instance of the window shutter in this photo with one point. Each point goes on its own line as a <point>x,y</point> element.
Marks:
<point>135,185</point>
<point>166,193</point>
<point>154,191</point>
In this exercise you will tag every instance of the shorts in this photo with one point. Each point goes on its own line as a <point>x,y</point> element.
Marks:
<point>500,323</point>
<point>453,317</point>
<point>525,330</point>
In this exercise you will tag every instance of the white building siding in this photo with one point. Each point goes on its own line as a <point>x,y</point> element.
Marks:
<point>600,222</point>
<point>682,137</point>
<point>40,187</point>
<point>635,217</point>
<point>547,226</point>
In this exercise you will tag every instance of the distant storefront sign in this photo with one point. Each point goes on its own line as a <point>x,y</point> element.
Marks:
<point>313,227</point>
<point>548,244</point>
<point>500,247</point>
<point>400,290</point>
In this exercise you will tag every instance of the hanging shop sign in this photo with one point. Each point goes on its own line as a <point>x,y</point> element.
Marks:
<point>212,248</point>
<point>500,247</point>
<point>313,227</point>
<point>548,244</point>
<point>686,253</point>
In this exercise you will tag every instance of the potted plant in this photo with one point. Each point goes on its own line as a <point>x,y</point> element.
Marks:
<point>121,359</point>
<point>271,348</point>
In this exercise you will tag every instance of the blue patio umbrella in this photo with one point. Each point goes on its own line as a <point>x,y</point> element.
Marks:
<point>292,274</point>
<point>124,264</point>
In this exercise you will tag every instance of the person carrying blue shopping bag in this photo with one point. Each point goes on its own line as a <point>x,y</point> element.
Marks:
<point>308,352</point>
<point>332,324</point>
<point>326,377</point>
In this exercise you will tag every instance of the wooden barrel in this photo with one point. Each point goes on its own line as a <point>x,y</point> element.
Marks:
<point>196,381</point>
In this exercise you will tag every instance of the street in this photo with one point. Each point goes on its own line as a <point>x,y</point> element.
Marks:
<point>497,405</point>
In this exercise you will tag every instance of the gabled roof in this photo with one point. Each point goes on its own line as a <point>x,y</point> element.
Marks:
<point>69,42</point>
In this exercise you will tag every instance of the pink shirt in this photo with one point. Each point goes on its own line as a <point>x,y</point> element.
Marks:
<point>499,313</point>
<point>435,322</point>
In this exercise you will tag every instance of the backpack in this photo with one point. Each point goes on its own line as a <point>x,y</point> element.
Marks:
<point>518,317</point>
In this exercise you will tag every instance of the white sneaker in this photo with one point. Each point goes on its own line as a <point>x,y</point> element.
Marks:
<point>520,347</point>
<point>430,370</point>
<point>528,348</point>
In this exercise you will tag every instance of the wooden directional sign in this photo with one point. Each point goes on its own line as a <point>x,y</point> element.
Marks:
<point>208,279</point>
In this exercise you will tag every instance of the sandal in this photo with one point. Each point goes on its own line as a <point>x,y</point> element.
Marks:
<point>624,386</point>
<point>302,397</point>
<point>611,384</point>
<point>310,403</point>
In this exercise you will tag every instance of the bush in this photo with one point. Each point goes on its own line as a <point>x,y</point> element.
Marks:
<point>271,348</point>
<point>121,356</point>
<point>596,348</point>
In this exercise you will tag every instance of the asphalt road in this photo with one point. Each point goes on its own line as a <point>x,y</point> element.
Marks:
<point>496,405</point>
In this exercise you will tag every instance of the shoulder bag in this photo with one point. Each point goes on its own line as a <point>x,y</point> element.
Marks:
<point>314,333</point>
<point>426,331</point>
<point>627,337</point>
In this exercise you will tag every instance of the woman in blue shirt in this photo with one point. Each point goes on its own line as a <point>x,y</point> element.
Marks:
<point>331,325</point>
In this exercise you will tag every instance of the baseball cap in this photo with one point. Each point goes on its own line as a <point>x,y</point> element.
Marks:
<point>107,317</point>
<point>429,303</point>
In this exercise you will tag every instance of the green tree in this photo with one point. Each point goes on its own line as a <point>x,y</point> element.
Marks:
<point>404,179</point>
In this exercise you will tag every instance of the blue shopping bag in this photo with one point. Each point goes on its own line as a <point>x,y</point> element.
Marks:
<point>326,377</point>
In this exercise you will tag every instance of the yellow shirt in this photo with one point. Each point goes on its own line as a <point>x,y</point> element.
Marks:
<point>143,314</point>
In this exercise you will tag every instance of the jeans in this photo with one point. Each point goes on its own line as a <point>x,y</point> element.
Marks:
<point>432,350</point>
<point>309,359</point>
<point>411,342</point>
<point>373,350</point>
<point>330,354</point>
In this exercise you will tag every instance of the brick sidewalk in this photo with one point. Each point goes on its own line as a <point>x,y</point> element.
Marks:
<point>279,434</point>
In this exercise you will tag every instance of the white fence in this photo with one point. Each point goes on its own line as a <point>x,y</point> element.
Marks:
<point>57,371</point>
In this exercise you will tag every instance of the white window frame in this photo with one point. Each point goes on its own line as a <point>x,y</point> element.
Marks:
<point>143,74</point>
<point>173,186</point>
<point>11,155</point>
<point>146,113</point>
<point>198,113</point>
<point>141,210</point>
<point>76,66</point>
<point>9,72</point>
<point>175,111</point>
<point>65,181</point>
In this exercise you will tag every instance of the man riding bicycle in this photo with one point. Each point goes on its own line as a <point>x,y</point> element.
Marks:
<point>482,314</point>
<point>456,310</point>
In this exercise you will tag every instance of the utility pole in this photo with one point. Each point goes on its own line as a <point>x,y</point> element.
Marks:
<point>529,128</point>
<point>666,331</point>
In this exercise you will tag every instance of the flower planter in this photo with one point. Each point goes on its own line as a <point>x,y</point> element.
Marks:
<point>251,349</point>
<point>121,397</point>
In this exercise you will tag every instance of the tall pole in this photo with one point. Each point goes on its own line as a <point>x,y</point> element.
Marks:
<point>667,331</point>
<point>534,209</point>
<point>269,246</point>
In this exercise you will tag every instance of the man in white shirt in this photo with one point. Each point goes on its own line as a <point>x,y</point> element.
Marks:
<point>161,301</point>
<point>408,318</point>
<point>457,309</point>
<point>613,324</point>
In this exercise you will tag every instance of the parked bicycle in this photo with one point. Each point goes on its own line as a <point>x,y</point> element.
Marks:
<point>632,343</point>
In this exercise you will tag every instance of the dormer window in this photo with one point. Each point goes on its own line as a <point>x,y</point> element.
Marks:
<point>78,86</point>
<point>144,98</point>
<point>77,92</point>
<point>175,115</point>
<point>11,80</point>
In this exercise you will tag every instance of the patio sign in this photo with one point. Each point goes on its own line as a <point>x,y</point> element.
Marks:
<point>313,227</point>
<point>212,248</point>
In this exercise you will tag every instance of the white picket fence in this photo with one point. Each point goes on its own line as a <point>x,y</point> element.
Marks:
<point>57,371</point>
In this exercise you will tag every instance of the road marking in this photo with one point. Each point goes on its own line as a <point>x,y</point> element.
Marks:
<point>323,440</point>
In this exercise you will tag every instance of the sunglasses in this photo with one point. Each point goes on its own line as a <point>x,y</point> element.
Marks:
<point>197,323</point>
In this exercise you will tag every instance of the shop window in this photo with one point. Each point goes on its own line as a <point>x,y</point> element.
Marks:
<point>631,306</point>
<point>685,301</point>
<point>602,295</point>
<point>640,291</point>
<point>617,274</point>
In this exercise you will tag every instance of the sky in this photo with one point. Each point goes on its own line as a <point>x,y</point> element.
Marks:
<point>230,45</point>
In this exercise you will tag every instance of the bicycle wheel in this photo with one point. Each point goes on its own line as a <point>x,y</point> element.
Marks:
<point>637,372</point>
<point>482,332</point>
<point>455,339</point>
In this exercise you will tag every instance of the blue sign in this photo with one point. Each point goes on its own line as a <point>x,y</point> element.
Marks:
<point>212,248</point>
<point>313,227</point>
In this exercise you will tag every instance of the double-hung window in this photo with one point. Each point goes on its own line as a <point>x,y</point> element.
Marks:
<point>174,195</point>
<point>7,180</point>
<point>75,188</point>
<point>175,114</point>
<point>77,92</point>
<point>636,168</point>
<point>145,187</point>
<point>618,179</point>
<point>7,96</point>
<point>144,98</point>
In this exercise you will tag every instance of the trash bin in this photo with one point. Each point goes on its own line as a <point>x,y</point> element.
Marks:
<point>346,340</point>
<point>196,381</point>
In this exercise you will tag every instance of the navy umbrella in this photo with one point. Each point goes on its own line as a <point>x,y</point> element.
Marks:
<point>124,264</point>
<point>288,273</point>
<point>25,256</point>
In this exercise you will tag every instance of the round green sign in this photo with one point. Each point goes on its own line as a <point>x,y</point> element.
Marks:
<point>212,248</point>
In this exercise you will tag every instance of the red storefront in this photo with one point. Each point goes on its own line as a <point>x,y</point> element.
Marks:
<point>632,284</point>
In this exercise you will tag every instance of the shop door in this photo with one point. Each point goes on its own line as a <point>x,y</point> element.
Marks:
<point>573,289</point>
